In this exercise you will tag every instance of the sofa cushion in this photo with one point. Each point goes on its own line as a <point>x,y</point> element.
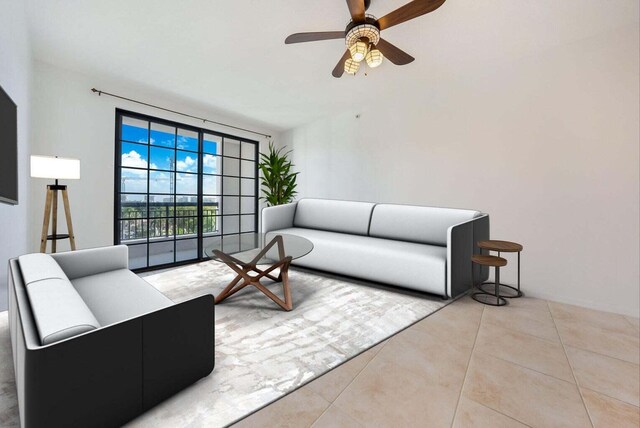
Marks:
<point>93,260</point>
<point>427,225</point>
<point>405,264</point>
<point>39,266</point>
<point>336,216</point>
<point>58,310</point>
<point>119,295</point>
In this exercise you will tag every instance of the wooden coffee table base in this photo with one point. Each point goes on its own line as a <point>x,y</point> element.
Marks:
<point>244,278</point>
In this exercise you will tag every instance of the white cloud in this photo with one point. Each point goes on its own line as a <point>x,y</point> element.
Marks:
<point>183,142</point>
<point>210,163</point>
<point>133,159</point>
<point>186,183</point>
<point>134,180</point>
<point>189,164</point>
<point>160,182</point>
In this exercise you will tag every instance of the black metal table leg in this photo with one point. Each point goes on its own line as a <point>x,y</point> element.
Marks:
<point>497,284</point>
<point>512,292</point>
<point>519,292</point>
<point>488,298</point>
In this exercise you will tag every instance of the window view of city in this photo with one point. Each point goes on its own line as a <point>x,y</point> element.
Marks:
<point>179,187</point>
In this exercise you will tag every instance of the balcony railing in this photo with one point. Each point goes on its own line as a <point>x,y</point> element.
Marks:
<point>134,224</point>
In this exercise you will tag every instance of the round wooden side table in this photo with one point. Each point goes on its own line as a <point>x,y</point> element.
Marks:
<point>502,247</point>
<point>493,299</point>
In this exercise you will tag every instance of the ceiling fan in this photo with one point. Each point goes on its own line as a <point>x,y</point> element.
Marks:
<point>362,35</point>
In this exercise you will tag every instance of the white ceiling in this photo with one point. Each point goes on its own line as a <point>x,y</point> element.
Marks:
<point>230,54</point>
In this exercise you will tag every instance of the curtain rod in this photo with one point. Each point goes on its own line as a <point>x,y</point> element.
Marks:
<point>99,92</point>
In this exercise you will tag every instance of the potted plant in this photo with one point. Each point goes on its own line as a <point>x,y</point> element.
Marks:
<point>278,181</point>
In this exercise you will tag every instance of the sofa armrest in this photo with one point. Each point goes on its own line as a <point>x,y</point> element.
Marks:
<point>481,232</point>
<point>461,245</point>
<point>79,263</point>
<point>96,376</point>
<point>278,217</point>
<point>177,348</point>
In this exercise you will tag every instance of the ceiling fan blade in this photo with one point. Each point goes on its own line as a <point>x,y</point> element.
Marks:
<point>356,8</point>
<point>312,37</point>
<point>394,54</point>
<point>409,11</point>
<point>339,69</point>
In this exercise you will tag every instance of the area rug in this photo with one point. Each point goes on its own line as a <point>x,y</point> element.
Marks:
<point>261,351</point>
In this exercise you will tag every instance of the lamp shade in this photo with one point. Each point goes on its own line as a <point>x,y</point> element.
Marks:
<point>358,51</point>
<point>374,58</point>
<point>54,167</point>
<point>350,66</point>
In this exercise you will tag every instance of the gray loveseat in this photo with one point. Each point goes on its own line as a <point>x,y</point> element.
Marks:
<point>427,249</point>
<point>96,345</point>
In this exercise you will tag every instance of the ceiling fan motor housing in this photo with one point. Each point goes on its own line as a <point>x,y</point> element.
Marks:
<point>363,30</point>
<point>368,19</point>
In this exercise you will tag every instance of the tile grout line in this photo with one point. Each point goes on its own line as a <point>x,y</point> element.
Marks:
<point>590,350</point>
<point>603,330</point>
<point>610,397</point>
<point>606,330</point>
<point>632,324</point>
<point>532,335</point>
<point>601,354</point>
<point>386,340</point>
<point>321,414</point>
<point>352,380</point>
<point>466,370</point>
<point>465,379</point>
<point>526,368</point>
<point>570,366</point>
<point>557,378</point>
<point>513,330</point>
<point>593,323</point>
<point>500,413</point>
<point>382,347</point>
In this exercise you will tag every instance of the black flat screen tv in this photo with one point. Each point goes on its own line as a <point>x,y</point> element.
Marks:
<point>8,149</point>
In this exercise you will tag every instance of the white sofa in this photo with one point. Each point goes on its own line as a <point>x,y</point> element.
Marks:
<point>427,249</point>
<point>93,344</point>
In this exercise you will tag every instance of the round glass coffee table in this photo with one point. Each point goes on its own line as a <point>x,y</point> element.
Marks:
<point>245,252</point>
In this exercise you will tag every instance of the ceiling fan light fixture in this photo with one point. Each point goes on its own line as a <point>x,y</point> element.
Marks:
<point>374,58</point>
<point>351,66</point>
<point>358,50</point>
<point>366,28</point>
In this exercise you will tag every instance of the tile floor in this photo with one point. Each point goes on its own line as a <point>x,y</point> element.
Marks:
<point>532,363</point>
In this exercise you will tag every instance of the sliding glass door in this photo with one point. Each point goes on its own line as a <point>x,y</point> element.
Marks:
<point>178,188</point>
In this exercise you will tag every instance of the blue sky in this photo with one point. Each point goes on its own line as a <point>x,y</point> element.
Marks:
<point>186,140</point>
<point>164,157</point>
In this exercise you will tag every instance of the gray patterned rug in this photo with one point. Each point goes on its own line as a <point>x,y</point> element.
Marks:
<point>262,352</point>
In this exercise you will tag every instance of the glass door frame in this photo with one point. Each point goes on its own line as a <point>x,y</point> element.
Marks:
<point>200,236</point>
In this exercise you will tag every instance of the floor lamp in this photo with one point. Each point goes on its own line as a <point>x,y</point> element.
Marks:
<point>58,169</point>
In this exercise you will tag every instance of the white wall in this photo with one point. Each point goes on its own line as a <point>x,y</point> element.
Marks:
<point>15,78</point>
<point>71,121</point>
<point>547,145</point>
